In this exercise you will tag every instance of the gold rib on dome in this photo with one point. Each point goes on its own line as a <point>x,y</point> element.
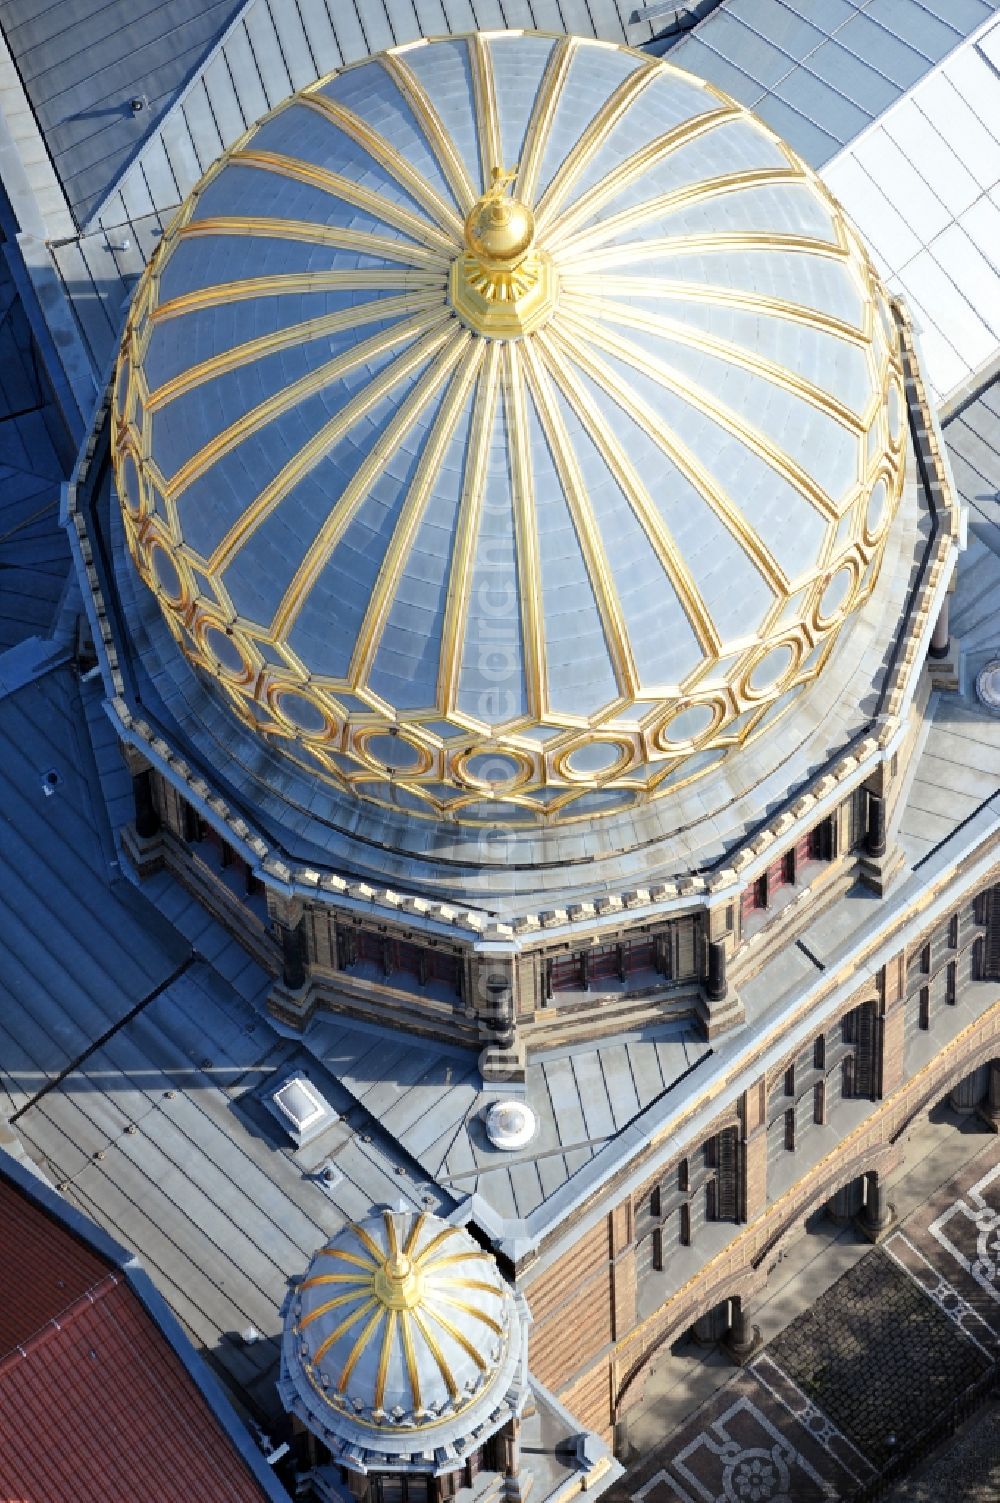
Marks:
<point>516,382</point>
<point>396,1343</point>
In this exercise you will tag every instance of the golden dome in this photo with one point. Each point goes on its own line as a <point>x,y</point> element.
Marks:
<point>509,494</point>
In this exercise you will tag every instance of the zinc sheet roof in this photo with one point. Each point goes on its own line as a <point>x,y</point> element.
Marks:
<point>923,186</point>
<point>34,557</point>
<point>820,71</point>
<point>81,62</point>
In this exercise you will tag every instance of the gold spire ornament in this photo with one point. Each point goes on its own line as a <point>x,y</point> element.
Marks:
<point>502,285</point>
<point>397,1284</point>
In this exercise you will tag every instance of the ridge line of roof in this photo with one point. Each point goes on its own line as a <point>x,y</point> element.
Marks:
<point>93,222</point>
<point>907,96</point>
<point>58,1323</point>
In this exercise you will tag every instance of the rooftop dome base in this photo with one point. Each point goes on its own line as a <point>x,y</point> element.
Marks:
<point>506,304</point>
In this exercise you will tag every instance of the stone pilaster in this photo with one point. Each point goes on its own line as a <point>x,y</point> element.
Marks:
<point>143,838</point>
<point>966,1096</point>
<point>941,635</point>
<point>623,1272</point>
<point>941,655</point>
<point>494,1001</point>
<point>517,1480</point>
<point>879,872</point>
<point>293,955</point>
<point>720,1008</point>
<point>847,1202</point>
<point>712,1326</point>
<point>753,1119</point>
<point>716,984</point>
<point>875,836</point>
<point>891,1010</point>
<point>989,1107</point>
<point>881,857</point>
<point>147,816</point>
<point>290,998</point>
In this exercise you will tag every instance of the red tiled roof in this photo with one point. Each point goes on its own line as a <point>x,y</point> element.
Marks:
<point>95,1405</point>
<point>43,1267</point>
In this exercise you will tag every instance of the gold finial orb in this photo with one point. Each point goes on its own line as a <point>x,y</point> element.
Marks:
<point>397,1283</point>
<point>499,231</point>
<point>502,285</point>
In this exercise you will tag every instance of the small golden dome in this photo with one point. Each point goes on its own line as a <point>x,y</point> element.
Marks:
<point>401,1323</point>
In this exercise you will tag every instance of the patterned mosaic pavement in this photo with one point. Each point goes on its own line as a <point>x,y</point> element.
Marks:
<point>871,1364</point>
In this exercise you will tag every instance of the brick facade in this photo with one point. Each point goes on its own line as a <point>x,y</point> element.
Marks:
<point>738,1269</point>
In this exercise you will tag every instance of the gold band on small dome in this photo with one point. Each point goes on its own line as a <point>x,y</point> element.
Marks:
<point>503,286</point>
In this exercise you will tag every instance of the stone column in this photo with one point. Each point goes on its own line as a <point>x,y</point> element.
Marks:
<point>940,637</point>
<point>147,817</point>
<point>712,1326</point>
<point>878,1214</point>
<point>503,1057</point>
<point>744,1339</point>
<point>716,986</point>
<point>875,838</point>
<point>989,1107</point>
<point>847,1202</point>
<point>966,1095</point>
<point>500,1007</point>
<point>190,824</point>
<point>512,1448</point>
<point>293,955</point>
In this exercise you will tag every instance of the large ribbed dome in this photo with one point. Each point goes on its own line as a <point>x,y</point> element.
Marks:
<point>508,425</point>
<point>401,1324</point>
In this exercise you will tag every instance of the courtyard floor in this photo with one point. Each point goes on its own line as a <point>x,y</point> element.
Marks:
<point>865,1346</point>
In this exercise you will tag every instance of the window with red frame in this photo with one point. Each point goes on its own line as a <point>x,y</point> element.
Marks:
<point>370,946</point>
<point>444,967</point>
<point>567,974</point>
<point>640,955</point>
<point>780,873</point>
<point>603,964</point>
<point>753,898</point>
